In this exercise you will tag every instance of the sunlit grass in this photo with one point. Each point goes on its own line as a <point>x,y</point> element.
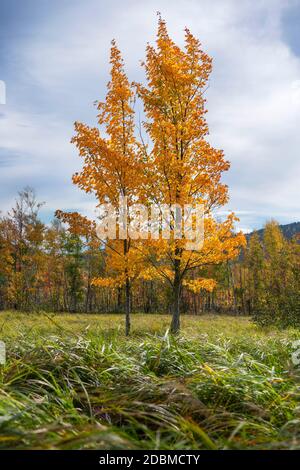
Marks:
<point>75,382</point>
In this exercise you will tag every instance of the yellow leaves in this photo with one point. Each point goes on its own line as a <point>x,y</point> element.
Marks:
<point>273,237</point>
<point>78,224</point>
<point>6,258</point>
<point>109,282</point>
<point>220,241</point>
<point>196,285</point>
<point>111,163</point>
<point>149,273</point>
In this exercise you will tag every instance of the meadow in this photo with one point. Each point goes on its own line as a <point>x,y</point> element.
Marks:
<point>76,382</point>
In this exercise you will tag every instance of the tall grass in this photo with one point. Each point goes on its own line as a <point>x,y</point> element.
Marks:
<point>76,382</point>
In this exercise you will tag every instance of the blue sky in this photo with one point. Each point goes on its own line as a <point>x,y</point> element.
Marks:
<point>54,61</point>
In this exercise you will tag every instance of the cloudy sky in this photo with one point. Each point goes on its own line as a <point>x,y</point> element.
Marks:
<point>54,61</point>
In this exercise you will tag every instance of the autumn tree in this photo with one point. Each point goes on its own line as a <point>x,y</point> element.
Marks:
<point>81,247</point>
<point>181,166</point>
<point>6,259</point>
<point>277,292</point>
<point>25,232</point>
<point>55,289</point>
<point>111,166</point>
<point>178,168</point>
<point>254,263</point>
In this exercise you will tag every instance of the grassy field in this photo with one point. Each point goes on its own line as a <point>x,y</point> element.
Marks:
<point>75,382</point>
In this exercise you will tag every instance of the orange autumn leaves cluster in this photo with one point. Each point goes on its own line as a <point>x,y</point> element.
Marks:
<point>177,165</point>
<point>187,168</point>
<point>111,166</point>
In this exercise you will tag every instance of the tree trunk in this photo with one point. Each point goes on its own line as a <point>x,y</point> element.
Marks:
<point>119,300</point>
<point>127,308</point>
<point>127,294</point>
<point>88,294</point>
<point>175,323</point>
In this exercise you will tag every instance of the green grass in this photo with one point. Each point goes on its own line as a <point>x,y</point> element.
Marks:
<point>76,382</point>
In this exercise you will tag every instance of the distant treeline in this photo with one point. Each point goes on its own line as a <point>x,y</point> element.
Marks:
<point>48,267</point>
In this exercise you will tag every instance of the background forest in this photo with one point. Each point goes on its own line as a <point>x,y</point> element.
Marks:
<point>47,267</point>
